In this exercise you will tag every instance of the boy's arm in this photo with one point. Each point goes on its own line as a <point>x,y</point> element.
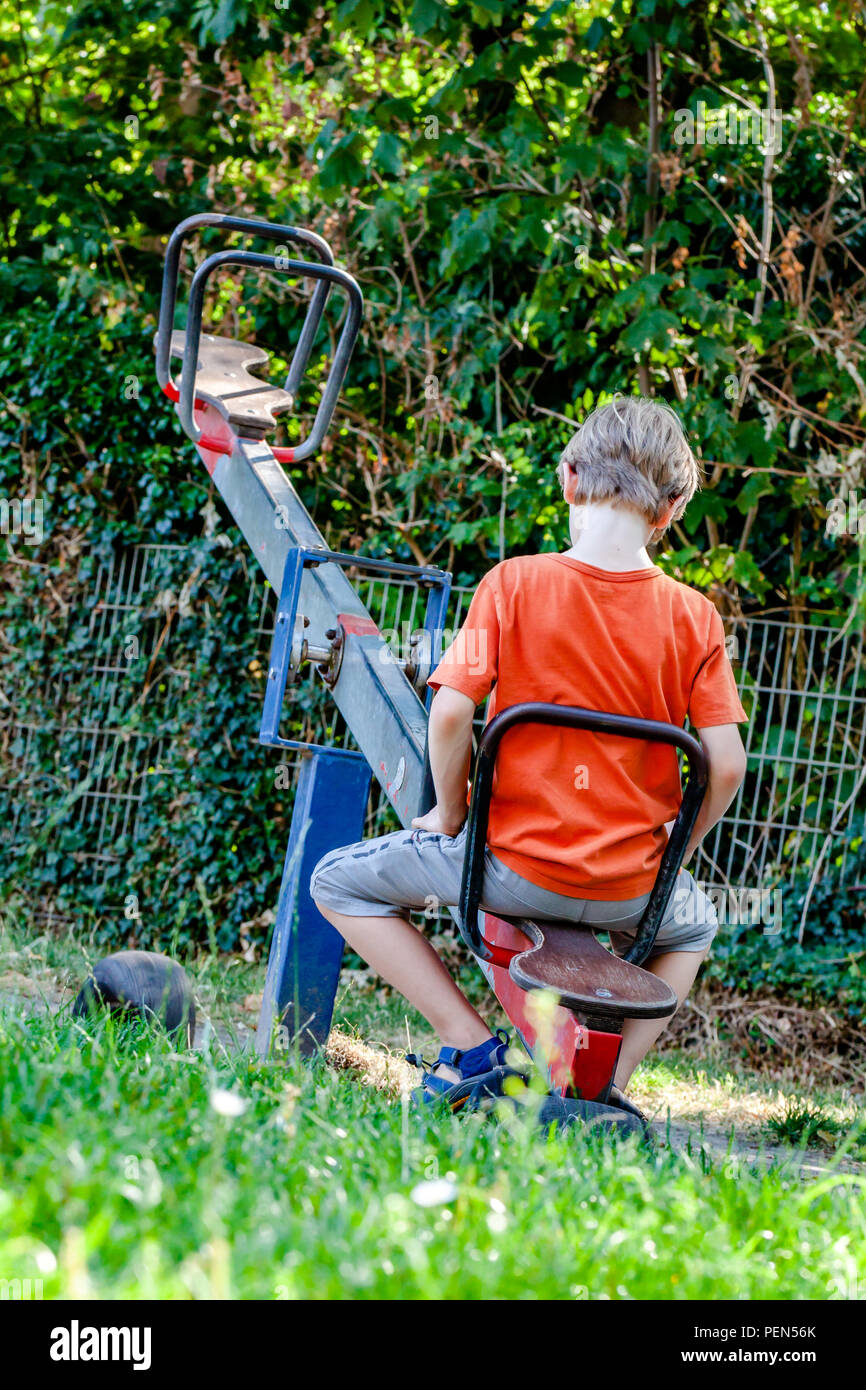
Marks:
<point>462,681</point>
<point>726,759</point>
<point>450,747</point>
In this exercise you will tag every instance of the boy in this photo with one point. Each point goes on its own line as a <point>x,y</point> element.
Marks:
<point>578,821</point>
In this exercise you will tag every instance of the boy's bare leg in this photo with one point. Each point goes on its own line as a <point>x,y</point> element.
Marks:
<point>405,958</point>
<point>679,969</point>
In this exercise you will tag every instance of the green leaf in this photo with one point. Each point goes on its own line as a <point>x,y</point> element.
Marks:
<point>426,15</point>
<point>387,154</point>
<point>653,328</point>
<point>597,33</point>
<point>344,166</point>
<point>387,216</point>
<point>758,486</point>
<point>358,15</point>
<point>710,350</point>
<point>747,573</point>
<point>470,240</point>
<point>580,158</point>
<point>753,444</point>
<point>218,22</point>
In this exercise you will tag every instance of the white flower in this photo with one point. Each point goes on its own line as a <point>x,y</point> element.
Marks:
<point>227,1102</point>
<point>434,1194</point>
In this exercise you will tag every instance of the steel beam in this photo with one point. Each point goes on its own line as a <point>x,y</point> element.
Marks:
<point>383,712</point>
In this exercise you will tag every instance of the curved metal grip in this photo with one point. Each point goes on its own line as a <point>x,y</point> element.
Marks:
<point>325,274</point>
<point>270,231</point>
<point>595,721</point>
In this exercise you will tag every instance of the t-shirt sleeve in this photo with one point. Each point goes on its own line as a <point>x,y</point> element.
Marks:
<point>714,698</point>
<point>471,663</point>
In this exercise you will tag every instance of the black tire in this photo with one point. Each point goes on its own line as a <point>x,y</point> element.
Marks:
<point>145,984</point>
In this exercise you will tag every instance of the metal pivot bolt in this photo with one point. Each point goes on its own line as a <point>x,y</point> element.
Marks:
<point>329,666</point>
<point>326,659</point>
<point>417,665</point>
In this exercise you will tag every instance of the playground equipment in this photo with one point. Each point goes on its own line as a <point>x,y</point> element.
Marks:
<point>592,990</point>
<point>144,984</point>
<point>321,620</point>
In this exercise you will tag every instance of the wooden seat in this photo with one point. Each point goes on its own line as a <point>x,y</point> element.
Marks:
<point>223,380</point>
<point>570,962</point>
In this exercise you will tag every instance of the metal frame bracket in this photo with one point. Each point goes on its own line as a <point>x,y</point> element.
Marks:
<point>280,664</point>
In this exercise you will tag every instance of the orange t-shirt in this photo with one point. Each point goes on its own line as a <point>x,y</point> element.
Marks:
<point>579,813</point>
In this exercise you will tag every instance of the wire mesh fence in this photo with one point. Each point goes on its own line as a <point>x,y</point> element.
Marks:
<point>89,767</point>
<point>803,687</point>
<point>84,767</point>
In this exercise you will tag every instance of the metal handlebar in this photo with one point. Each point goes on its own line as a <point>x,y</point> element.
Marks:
<point>325,274</point>
<point>270,231</point>
<point>595,721</point>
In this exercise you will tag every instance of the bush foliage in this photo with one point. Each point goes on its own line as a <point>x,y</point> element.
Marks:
<point>543,204</point>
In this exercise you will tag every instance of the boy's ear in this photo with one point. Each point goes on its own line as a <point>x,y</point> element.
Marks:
<point>665,516</point>
<point>568,481</point>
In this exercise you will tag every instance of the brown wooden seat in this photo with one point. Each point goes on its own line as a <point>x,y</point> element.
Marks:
<point>223,380</point>
<point>571,963</point>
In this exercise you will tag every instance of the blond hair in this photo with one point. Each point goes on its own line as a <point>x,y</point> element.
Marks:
<point>633,451</point>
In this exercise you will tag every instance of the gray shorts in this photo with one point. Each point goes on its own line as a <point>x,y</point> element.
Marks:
<point>421,871</point>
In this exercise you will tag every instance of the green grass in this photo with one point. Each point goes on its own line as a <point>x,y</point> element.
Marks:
<point>122,1177</point>
<point>803,1123</point>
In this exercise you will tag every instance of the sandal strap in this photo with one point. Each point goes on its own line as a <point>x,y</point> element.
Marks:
<point>436,1085</point>
<point>450,1057</point>
<point>415,1060</point>
<point>483,1058</point>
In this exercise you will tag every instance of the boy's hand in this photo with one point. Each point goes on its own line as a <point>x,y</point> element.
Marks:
<point>438,823</point>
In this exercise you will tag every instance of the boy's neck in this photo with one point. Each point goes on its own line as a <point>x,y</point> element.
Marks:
<point>608,537</point>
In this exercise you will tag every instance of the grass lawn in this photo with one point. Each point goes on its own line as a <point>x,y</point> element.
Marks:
<point>133,1171</point>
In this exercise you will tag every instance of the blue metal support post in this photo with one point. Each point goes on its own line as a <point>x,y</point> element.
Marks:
<point>306,951</point>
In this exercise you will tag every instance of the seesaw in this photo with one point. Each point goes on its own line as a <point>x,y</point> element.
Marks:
<point>590,990</point>
<point>321,621</point>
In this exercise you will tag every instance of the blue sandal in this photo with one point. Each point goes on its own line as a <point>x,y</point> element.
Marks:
<point>482,1071</point>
